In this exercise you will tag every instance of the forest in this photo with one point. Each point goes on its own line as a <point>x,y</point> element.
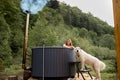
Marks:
<point>54,24</point>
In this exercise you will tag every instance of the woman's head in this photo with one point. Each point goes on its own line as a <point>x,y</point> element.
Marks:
<point>69,42</point>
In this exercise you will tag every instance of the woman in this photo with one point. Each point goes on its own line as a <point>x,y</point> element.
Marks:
<point>68,44</point>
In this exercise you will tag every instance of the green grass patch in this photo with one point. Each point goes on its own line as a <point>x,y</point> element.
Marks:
<point>12,69</point>
<point>109,76</point>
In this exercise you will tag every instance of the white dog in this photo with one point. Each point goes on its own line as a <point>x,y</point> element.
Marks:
<point>90,60</point>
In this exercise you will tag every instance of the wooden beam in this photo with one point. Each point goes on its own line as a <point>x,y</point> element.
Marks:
<point>12,78</point>
<point>25,42</point>
<point>116,10</point>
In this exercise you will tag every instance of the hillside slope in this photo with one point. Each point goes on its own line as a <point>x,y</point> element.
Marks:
<point>54,25</point>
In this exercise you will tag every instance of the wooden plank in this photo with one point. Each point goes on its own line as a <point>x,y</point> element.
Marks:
<point>12,78</point>
<point>116,10</point>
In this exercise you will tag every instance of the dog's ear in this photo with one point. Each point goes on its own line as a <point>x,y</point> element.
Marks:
<point>78,47</point>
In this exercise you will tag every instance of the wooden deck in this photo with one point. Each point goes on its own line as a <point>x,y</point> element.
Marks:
<point>86,76</point>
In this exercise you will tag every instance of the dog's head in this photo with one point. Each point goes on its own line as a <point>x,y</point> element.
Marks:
<point>77,51</point>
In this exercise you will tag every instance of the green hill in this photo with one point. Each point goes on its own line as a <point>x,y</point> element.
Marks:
<point>54,24</point>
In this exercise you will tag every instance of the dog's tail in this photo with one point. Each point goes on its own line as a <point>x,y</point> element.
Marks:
<point>102,65</point>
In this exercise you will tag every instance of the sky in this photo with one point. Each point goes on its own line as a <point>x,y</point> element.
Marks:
<point>102,9</point>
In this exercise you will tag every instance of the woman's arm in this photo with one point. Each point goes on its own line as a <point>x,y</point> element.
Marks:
<point>64,45</point>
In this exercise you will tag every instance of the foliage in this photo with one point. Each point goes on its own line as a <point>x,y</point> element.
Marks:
<point>53,4</point>
<point>54,24</point>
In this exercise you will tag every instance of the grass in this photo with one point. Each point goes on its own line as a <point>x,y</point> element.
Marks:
<point>106,76</point>
<point>109,76</point>
<point>13,69</point>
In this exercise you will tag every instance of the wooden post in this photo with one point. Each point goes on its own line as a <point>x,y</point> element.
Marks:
<point>25,42</point>
<point>116,10</point>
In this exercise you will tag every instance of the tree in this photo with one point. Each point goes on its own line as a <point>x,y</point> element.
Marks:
<point>54,4</point>
<point>5,51</point>
<point>107,40</point>
<point>83,32</point>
